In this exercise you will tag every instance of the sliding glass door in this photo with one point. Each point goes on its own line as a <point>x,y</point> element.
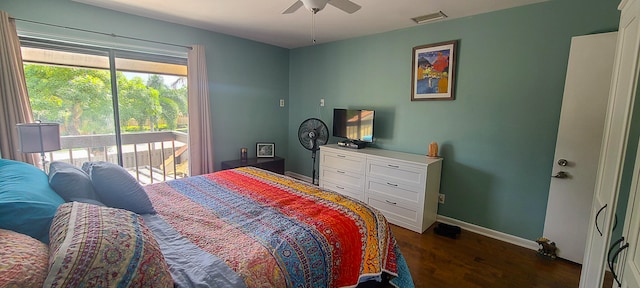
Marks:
<point>117,106</point>
<point>152,105</point>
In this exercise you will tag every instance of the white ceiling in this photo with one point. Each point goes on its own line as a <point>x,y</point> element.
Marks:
<point>262,21</point>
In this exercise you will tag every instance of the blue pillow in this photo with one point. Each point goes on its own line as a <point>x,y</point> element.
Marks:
<point>117,188</point>
<point>27,202</point>
<point>70,182</point>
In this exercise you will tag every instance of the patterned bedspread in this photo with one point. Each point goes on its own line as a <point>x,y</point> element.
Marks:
<point>275,231</point>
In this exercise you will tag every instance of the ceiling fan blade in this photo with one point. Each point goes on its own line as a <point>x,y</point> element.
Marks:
<point>293,8</point>
<point>345,5</point>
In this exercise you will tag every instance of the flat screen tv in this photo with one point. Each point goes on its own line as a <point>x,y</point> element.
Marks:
<point>354,124</point>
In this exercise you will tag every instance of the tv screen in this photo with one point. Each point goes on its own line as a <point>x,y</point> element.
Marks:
<point>353,124</point>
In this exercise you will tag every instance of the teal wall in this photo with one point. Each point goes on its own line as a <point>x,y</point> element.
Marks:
<point>246,78</point>
<point>497,137</point>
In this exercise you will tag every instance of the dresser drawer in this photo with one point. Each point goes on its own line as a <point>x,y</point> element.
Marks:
<point>397,172</point>
<point>343,189</point>
<point>343,178</point>
<point>406,194</point>
<point>395,212</point>
<point>343,161</point>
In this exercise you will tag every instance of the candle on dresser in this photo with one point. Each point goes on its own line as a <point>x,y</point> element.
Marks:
<point>433,149</point>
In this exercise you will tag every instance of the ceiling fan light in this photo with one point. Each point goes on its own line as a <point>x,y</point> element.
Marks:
<point>316,5</point>
<point>429,17</point>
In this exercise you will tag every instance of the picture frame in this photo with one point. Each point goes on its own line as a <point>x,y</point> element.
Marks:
<point>265,149</point>
<point>433,71</point>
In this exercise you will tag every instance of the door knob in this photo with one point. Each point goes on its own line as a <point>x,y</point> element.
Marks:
<point>563,162</point>
<point>561,175</point>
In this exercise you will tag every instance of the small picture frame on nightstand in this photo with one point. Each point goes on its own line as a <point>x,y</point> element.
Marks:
<point>265,150</point>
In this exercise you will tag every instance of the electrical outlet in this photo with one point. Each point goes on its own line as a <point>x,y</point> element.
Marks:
<point>322,102</point>
<point>441,198</point>
<point>281,102</point>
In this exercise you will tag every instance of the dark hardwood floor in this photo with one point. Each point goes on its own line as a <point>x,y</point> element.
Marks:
<point>473,260</point>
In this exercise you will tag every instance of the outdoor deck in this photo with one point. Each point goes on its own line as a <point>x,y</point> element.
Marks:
<point>150,157</point>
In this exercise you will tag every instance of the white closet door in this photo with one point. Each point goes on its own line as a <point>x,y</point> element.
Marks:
<point>629,261</point>
<point>614,145</point>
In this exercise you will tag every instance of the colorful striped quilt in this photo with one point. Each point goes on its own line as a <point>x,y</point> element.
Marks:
<point>275,231</point>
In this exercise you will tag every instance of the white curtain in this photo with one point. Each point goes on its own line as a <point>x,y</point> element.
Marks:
<point>200,139</point>
<point>14,100</point>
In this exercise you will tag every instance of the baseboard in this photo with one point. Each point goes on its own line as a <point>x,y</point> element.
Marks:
<point>526,243</point>
<point>298,176</point>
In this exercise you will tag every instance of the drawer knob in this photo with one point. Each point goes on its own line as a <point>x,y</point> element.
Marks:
<point>393,166</point>
<point>391,184</point>
<point>340,171</point>
<point>342,188</point>
<point>392,203</point>
<point>341,156</point>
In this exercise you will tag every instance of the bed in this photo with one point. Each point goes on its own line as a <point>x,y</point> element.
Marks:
<point>275,231</point>
<point>244,227</point>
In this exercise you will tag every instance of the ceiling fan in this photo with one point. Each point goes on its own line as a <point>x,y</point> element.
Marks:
<point>316,5</point>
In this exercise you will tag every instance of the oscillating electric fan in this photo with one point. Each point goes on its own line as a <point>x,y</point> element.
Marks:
<point>312,134</point>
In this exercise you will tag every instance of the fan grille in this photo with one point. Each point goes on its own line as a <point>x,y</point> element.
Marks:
<point>313,133</point>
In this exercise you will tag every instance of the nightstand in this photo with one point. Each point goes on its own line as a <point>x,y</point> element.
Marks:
<point>275,164</point>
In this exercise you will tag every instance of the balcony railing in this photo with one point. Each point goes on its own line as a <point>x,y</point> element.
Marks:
<point>149,156</point>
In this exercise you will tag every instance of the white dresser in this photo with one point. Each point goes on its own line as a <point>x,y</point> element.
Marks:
<point>403,186</point>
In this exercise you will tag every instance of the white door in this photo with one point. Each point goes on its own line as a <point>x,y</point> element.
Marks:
<point>575,166</point>
<point>630,261</point>
<point>631,277</point>
<point>612,154</point>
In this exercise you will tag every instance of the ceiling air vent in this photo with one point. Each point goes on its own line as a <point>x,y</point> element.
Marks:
<point>429,17</point>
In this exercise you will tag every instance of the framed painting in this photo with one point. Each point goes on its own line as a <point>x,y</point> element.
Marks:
<point>433,71</point>
<point>265,150</point>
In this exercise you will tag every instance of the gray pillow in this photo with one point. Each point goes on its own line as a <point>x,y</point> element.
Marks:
<point>70,182</point>
<point>117,188</point>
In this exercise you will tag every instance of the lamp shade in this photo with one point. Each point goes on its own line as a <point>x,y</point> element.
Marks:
<point>39,137</point>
